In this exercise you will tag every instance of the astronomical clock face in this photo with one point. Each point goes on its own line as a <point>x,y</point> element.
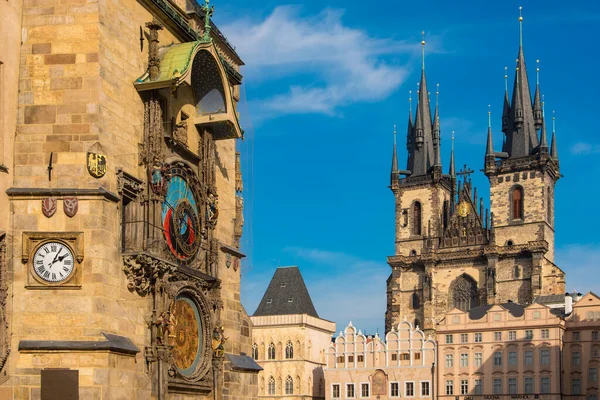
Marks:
<point>187,330</point>
<point>181,222</point>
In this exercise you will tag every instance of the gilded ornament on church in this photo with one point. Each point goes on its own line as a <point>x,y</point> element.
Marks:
<point>463,208</point>
<point>96,164</point>
<point>186,335</point>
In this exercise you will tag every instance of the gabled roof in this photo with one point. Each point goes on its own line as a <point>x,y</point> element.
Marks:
<point>286,294</point>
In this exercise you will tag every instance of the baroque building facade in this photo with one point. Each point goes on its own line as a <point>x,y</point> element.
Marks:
<point>290,340</point>
<point>120,259</point>
<point>449,251</point>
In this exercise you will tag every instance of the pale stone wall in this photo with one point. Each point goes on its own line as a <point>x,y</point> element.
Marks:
<point>310,338</point>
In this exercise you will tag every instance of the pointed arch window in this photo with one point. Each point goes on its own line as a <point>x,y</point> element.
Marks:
<point>255,351</point>
<point>271,352</point>
<point>271,386</point>
<point>517,203</point>
<point>417,218</point>
<point>289,385</point>
<point>289,350</point>
<point>463,293</point>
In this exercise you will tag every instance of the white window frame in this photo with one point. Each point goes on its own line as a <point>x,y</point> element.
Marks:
<point>353,391</point>
<point>405,388</point>
<point>339,385</point>
<point>360,386</point>
<point>399,391</point>
<point>421,388</point>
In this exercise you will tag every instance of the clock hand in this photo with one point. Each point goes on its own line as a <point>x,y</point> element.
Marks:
<point>56,256</point>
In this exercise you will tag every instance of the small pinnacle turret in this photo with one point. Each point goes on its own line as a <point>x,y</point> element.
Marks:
<point>506,109</point>
<point>537,104</point>
<point>489,150</point>
<point>543,138</point>
<point>410,132</point>
<point>394,172</point>
<point>553,148</point>
<point>436,130</point>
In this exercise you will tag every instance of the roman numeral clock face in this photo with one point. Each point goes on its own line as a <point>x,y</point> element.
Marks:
<point>53,262</point>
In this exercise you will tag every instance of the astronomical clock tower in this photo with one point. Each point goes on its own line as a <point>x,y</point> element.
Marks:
<point>123,211</point>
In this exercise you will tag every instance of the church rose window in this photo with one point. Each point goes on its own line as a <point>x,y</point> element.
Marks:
<point>463,293</point>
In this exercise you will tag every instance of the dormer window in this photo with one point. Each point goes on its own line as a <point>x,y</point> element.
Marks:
<point>269,301</point>
<point>290,299</point>
<point>283,285</point>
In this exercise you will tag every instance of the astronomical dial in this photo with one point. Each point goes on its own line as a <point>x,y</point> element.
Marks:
<point>53,262</point>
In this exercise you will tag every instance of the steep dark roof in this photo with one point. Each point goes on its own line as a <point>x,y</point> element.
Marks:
<point>479,312</point>
<point>286,294</point>
<point>550,299</point>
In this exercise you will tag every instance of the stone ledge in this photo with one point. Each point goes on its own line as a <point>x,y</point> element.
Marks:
<point>62,192</point>
<point>114,343</point>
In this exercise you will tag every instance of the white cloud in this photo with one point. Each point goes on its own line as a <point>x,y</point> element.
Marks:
<point>583,148</point>
<point>581,263</point>
<point>344,65</point>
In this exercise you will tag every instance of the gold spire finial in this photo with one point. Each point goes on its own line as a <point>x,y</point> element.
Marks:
<point>452,141</point>
<point>437,94</point>
<point>423,49</point>
<point>553,121</point>
<point>410,101</point>
<point>521,26</point>
<point>394,135</point>
<point>506,79</point>
<point>543,105</point>
<point>489,115</point>
<point>537,72</point>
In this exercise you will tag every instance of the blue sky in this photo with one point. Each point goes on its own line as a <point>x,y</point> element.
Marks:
<point>325,83</point>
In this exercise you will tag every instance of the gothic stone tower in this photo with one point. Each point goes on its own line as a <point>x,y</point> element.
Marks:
<point>450,252</point>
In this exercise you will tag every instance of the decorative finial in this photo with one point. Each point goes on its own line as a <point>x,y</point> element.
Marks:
<point>423,49</point>
<point>452,140</point>
<point>394,135</point>
<point>543,104</point>
<point>553,121</point>
<point>521,26</point>
<point>489,115</point>
<point>537,72</point>
<point>410,100</point>
<point>437,94</point>
<point>208,12</point>
<point>506,78</point>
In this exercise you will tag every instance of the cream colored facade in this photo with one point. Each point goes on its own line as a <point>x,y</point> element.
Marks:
<point>89,79</point>
<point>361,367</point>
<point>581,353</point>
<point>301,370</point>
<point>504,352</point>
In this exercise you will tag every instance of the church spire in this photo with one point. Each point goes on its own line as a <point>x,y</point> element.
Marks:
<point>489,150</point>
<point>543,138</point>
<point>436,130</point>
<point>553,148</point>
<point>452,168</point>
<point>410,139</point>
<point>394,173</point>
<point>537,104</point>
<point>506,109</point>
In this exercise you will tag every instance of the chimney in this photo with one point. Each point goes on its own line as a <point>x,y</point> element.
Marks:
<point>568,304</point>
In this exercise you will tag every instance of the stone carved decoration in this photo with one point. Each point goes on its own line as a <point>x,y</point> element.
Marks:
<point>218,341</point>
<point>143,271</point>
<point>152,151</point>
<point>238,228</point>
<point>427,287</point>
<point>70,206</point>
<point>239,183</point>
<point>491,281</point>
<point>96,164</point>
<point>153,58</point>
<point>180,133</point>
<point>49,206</point>
<point>379,383</point>
<point>129,186</point>
<point>4,335</point>
<point>212,209</point>
<point>463,293</point>
<point>158,179</point>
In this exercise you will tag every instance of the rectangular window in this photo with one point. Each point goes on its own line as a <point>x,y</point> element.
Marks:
<point>576,386</point>
<point>417,356</point>
<point>409,389</point>
<point>545,333</point>
<point>595,335</point>
<point>528,385</point>
<point>512,358</point>
<point>364,390</point>
<point>449,360</point>
<point>478,386</point>
<point>576,358</point>
<point>497,336</point>
<point>478,359</point>
<point>425,389</point>
<point>544,357</point>
<point>512,385</point>
<point>576,335</point>
<point>350,359</point>
<point>497,359</point>
<point>340,359</point>
<point>449,387</point>
<point>335,391</point>
<point>350,390</point>
<point>545,384</point>
<point>449,339</point>
<point>528,334</point>
<point>497,386</point>
<point>478,338</point>
<point>394,389</point>
<point>592,375</point>
<point>405,356</point>
<point>464,386</point>
<point>464,360</point>
<point>394,357</point>
<point>528,357</point>
<point>512,335</point>
<point>360,358</point>
<point>464,337</point>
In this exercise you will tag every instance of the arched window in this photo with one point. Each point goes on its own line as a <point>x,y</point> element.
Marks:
<point>416,303</point>
<point>463,293</point>
<point>289,350</point>
<point>417,218</point>
<point>517,202</point>
<point>517,272</point>
<point>271,355</point>
<point>271,387</point>
<point>289,385</point>
<point>255,351</point>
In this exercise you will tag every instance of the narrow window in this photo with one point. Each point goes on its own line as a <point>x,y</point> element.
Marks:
<point>255,351</point>
<point>289,350</point>
<point>517,272</point>
<point>335,389</point>
<point>271,354</point>
<point>271,385</point>
<point>517,203</point>
<point>417,218</point>
<point>289,385</point>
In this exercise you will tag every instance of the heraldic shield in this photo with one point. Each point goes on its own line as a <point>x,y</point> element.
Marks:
<point>48,206</point>
<point>70,206</point>
<point>96,164</point>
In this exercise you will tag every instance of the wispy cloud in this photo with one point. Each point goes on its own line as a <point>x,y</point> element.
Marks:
<point>341,64</point>
<point>581,263</point>
<point>464,130</point>
<point>347,287</point>
<point>582,148</point>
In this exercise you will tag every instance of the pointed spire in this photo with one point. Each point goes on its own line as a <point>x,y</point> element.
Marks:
<point>506,110</point>
<point>452,168</point>
<point>410,135</point>
<point>537,106</point>
<point>543,139</point>
<point>553,148</point>
<point>520,26</point>
<point>489,150</point>
<point>394,176</point>
<point>423,50</point>
<point>436,129</point>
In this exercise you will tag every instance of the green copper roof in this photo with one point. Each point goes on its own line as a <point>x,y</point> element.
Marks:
<point>175,62</point>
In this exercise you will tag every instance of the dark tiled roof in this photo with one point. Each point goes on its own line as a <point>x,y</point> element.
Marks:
<point>550,299</point>
<point>243,362</point>
<point>479,312</point>
<point>286,294</point>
